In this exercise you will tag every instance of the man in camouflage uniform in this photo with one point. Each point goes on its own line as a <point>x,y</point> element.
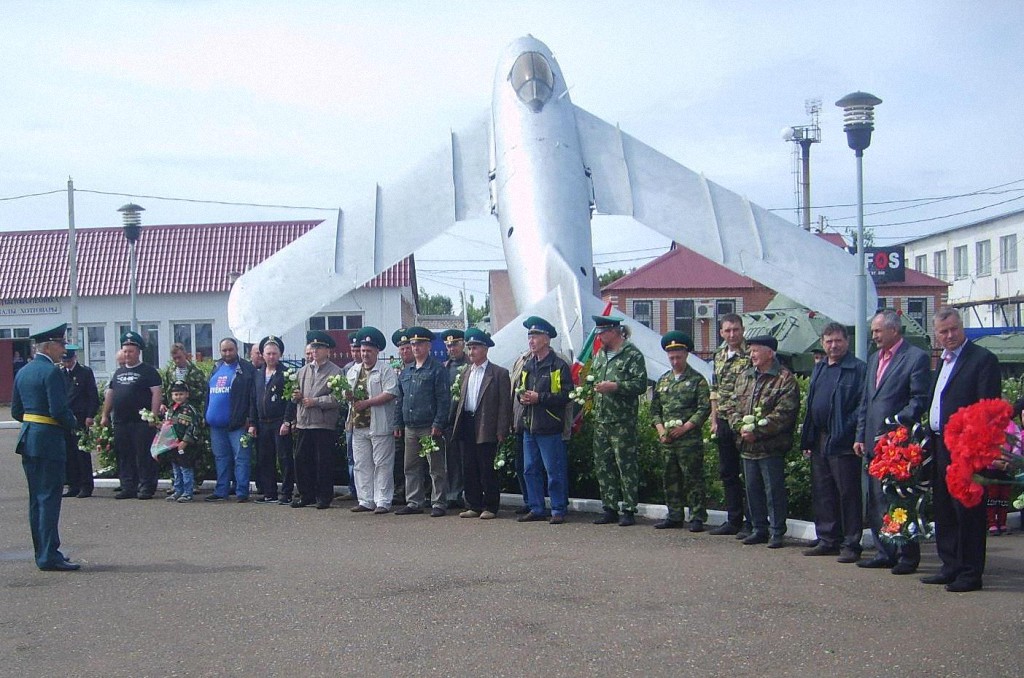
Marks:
<point>767,395</point>
<point>729,360</point>
<point>455,342</point>
<point>620,378</point>
<point>682,396</point>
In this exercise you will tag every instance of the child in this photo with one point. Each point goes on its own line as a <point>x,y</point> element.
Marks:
<point>998,496</point>
<point>184,420</point>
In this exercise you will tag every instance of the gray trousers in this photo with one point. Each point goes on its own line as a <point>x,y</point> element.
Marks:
<point>414,489</point>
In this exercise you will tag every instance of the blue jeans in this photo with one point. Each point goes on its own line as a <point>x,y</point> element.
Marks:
<point>766,493</point>
<point>184,479</point>
<point>232,461</point>
<point>546,453</point>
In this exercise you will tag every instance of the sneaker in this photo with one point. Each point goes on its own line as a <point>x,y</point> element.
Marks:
<point>174,497</point>
<point>488,515</point>
<point>185,498</point>
<point>470,513</point>
<point>284,501</point>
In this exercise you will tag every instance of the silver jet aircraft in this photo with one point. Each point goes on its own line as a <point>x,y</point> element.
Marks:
<point>543,167</point>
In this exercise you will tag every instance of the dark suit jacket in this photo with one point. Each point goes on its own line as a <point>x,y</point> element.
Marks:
<point>904,392</point>
<point>40,388</point>
<point>268,397</point>
<point>975,377</point>
<point>494,407</point>
<point>83,397</point>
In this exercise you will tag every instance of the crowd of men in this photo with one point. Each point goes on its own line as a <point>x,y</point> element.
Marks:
<point>426,433</point>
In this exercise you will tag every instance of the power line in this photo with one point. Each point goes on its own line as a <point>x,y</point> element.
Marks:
<point>205,202</point>
<point>980,191</point>
<point>32,195</point>
<point>947,216</point>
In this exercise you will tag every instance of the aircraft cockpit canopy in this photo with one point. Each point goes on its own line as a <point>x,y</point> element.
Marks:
<point>532,80</point>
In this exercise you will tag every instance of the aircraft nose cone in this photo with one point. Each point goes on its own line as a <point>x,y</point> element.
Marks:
<point>532,80</point>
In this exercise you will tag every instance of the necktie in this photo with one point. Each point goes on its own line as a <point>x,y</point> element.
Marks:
<point>948,357</point>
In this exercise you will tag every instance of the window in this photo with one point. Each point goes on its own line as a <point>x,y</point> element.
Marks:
<point>939,261</point>
<point>682,316</point>
<point>960,262</point>
<point>724,307</point>
<point>151,335</point>
<point>983,252</point>
<point>880,306</point>
<point>1008,253</point>
<point>643,312</point>
<point>196,337</point>
<point>92,339</point>
<point>917,308</point>
<point>17,333</point>
<point>921,263</point>
<point>336,322</point>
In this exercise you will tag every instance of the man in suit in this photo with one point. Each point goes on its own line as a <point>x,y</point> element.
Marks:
<point>897,381</point>
<point>967,373</point>
<point>483,419</point>
<point>40,403</point>
<point>84,401</point>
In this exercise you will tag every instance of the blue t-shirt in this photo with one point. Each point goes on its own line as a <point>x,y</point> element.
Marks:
<point>218,407</point>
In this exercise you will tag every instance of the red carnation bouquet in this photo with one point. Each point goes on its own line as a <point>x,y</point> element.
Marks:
<point>899,462</point>
<point>976,437</point>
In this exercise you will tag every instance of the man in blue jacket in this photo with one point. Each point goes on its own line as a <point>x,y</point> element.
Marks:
<point>40,403</point>
<point>829,431</point>
<point>227,414</point>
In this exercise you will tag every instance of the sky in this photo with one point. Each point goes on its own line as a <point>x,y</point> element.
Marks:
<point>308,104</point>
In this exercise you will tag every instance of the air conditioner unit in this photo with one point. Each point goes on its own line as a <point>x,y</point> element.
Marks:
<point>704,309</point>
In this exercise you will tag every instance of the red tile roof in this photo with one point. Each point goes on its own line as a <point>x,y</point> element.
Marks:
<point>172,259</point>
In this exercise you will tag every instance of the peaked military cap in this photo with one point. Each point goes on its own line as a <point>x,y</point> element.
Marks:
<point>475,337</point>
<point>179,385</point>
<point>371,336</point>
<point>400,337</point>
<point>56,334</point>
<point>130,338</point>
<point>537,325</point>
<point>320,338</point>
<point>450,337</point>
<point>69,351</point>
<point>606,322</point>
<point>276,341</point>
<point>676,341</point>
<point>417,333</point>
<point>764,340</point>
<point>353,339</point>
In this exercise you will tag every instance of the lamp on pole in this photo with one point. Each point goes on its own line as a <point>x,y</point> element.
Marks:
<point>132,217</point>
<point>858,123</point>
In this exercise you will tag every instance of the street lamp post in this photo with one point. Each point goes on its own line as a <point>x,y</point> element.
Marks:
<point>858,123</point>
<point>132,217</point>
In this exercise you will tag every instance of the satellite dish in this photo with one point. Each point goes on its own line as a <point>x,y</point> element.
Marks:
<point>788,134</point>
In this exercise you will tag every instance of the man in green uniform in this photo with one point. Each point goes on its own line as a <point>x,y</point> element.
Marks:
<point>680,406</point>
<point>455,342</point>
<point>40,403</point>
<point>620,378</point>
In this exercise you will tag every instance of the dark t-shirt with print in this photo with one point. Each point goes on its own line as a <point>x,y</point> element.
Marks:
<point>131,390</point>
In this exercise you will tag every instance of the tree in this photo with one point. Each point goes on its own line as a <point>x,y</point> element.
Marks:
<point>477,313</point>
<point>608,277</point>
<point>434,304</point>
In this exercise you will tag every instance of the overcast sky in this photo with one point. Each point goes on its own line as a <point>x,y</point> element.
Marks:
<point>308,104</point>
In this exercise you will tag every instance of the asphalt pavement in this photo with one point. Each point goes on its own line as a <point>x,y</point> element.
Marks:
<point>246,589</point>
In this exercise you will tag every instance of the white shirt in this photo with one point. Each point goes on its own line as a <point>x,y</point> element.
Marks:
<point>949,359</point>
<point>473,383</point>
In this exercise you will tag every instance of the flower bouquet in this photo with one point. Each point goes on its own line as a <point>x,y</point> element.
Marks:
<point>899,463</point>
<point>245,440</point>
<point>428,445</point>
<point>291,382</point>
<point>583,394</point>
<point>977,437</point>
<point>340,388</point>
<point>149,417</point>
<point>97,437</point>
<point>456,388</point>
<point>752,421</point>
<point>397,364</point>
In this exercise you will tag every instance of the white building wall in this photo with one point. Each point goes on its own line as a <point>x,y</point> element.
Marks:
<point>988,296</point>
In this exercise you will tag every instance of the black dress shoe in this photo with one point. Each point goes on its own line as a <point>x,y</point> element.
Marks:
<point>522,510</point>
<point>961,586</point>
<point>821,550</point>
<point>359,508</point>
<point>321,505</point>
<point>530,517</point>
<point>438,512</point>
<point>903,568</point>
<point>627,519</point>
<point>70,493</point>
<point>875,564</point>
<point>84,494</point>
<point>724,528</point>
<point>124,495</point>
<point>144,496</point>
<point>696,525</point>
<point>61,566</point>
<point>848,556</point>
<point>776,541</point>
<point>936,579</point>
<point>755,538</point>
<point>607,518</point>
<point>408,511</point>
<point>668,525</point>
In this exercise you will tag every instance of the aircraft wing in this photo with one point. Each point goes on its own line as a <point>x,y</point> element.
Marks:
<point>393,221</point>
<point>632,179</point>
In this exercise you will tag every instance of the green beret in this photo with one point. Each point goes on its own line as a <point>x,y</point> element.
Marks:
<point>417,333</point>
<point>537,325</point>
<point>400,337</point>
<point>475,337</point>
<point>677,341</point>
<point>276,341</point>
<point>320,338</point>
<point>371,336</point>
<point>130,338</point>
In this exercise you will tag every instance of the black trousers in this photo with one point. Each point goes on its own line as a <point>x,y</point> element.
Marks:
<point>78,466</point>
<point>272,449</point>
<point>730,468</point>
<point>960,532</point>
<point>837,499</point>
<point>479,477</point>
<point>315,451</point>
<point>136,469</point>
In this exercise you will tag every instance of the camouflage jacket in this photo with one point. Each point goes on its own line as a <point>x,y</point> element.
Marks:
<point>628,370</point>
<point>686,399</point>
<point>773,397</point>
<point>726,371</point>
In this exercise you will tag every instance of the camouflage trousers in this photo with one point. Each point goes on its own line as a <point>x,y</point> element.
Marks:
<point>685,483</point>
<point>616,466</point>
